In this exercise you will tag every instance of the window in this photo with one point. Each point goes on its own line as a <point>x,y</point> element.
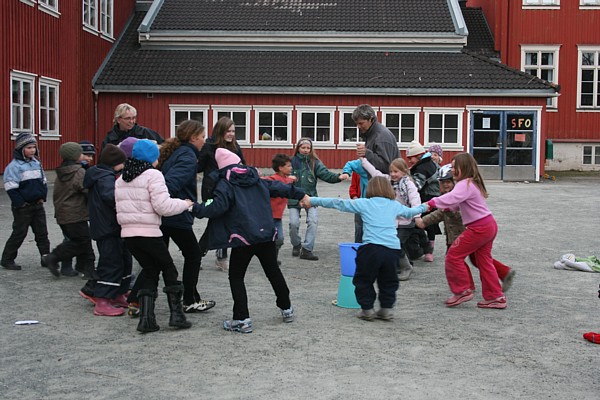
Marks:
<point>180,113</point>
<point>590,3</point>
<point>588,85</point>
<point>239,116</point>
<point>402,122</point>
<point>98,17</point>
<point>22,102</point>
<point>49,6</point>
<point>547,3</point>
<point>591,155</point>
<point>49,102</point>
<point>273,124</point>
<point>541,61</point>
<point>348,130</point>
<point>316,123</point>
<point>443,126</point>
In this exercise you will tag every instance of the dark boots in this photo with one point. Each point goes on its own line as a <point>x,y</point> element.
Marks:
<point>147,318</point>
<point>174,295</point>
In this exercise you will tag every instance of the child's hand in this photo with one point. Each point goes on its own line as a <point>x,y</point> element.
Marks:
<point>189,202</point>
<point>305,202</point>
<point>419,222</point>
<point>344,177</point>
<point>426,207</point>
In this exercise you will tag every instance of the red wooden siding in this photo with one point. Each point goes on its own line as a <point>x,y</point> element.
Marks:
<point>567,27</point>
<point>58,48</point>
<point>154,113</point>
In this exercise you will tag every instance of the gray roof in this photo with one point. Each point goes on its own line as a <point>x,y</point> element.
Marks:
<point>305,15</point>
<point>133,68</point>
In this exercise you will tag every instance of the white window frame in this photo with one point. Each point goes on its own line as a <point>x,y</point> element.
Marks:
<point>258,142</point>
<point>48,131</point>
<point>106,17</point>
<point>188,108</point>
<point>589,4</point>
<point>595,107</point>
<point>459,112</point>
<point>341,143</point>
<point>22,77</point>
<point>415,111</point>
<point>330,110</point>
<point>552,103</point>
<point>28,2</point>
<point>88,24</point>
<point>538,4</point>
<point>235,109</point>
<point>594,154</point>
<point>48,8</point>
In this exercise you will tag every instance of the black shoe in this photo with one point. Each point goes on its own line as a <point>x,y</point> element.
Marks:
<point>296,250</point>
<point>308,255</point>
<point>50,261</point>
<point>11,265</point>
<point>67,270</point>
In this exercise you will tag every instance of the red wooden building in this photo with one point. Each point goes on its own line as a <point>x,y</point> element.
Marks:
<point>51,50</point>
<point>558,41</point>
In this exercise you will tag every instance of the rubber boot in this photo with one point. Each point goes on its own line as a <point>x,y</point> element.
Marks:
<point>147,318</point>
<point>66,268</point>
<point>174,294</point>
<point>105,309</point>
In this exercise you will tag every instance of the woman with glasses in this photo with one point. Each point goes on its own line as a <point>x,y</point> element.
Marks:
<point>125,126</point>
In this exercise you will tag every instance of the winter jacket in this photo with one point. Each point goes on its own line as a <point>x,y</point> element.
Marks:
<point>355,189</point>
<point>180,174</point>
<point>406,193</point>
<point>207,164</point>
<point>141,203</point>
<point>100,182</point>
<point>240,211</point>
<point>353,168</point>
<point>278,203</point>
<point>424,173</point>
<point>381,146</point>
<point>453,224</point>
<point>70,197</point>
<point>307,176</point>
<point>116,136</point>
<point>25,181</point>
<point>465,197</point>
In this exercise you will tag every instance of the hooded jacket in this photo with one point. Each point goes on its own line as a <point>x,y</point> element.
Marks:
<point>306,172</point>
<point>100,182</point>
<point>240,211</point>
<point>422,173</point>
<point>70,197</point>
<point>24,180</point>
<point>180,174</point>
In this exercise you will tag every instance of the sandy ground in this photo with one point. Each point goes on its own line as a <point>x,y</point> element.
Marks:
<point>533,350</point>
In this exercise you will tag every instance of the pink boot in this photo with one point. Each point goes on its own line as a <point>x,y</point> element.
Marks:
<point>120,301</point>
<point>105,309</point>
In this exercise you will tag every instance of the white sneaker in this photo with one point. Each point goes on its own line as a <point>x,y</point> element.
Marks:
<point>288,315</point>
<point>222,264</point>
<point>199,306</point>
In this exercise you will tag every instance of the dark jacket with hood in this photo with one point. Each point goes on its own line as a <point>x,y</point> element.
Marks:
<point>180,174</point>
<point>70,197</point>
<point>240,211</point>
<point>208,164</point>
<point>424,174</point>
<point>381,146</point>
<point>100,182</point>
<point>116,136</point>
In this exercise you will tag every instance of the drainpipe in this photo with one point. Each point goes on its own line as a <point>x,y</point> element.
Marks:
<point>96,119</point>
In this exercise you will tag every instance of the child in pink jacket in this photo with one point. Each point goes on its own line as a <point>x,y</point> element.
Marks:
<point>142,198</point>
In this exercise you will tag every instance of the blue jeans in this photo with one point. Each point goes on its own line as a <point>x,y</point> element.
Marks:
<point>279,226</point>
<point>312,220</point>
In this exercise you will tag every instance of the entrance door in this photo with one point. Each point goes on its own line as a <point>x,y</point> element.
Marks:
<point>503,144</point>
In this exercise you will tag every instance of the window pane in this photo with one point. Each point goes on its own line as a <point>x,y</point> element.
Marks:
<point>323,134</point>
<point>308,119</point>
<point>587,58</point>
<point>43,98</point>
<point>587,100</point>
<point>451,121</point>
<point>52,121</point>
<point>281,119</point>
<point>407,135</point>
<point>408,120</point>
<point>435,121</point>
<point>265,118</point>
<point>350,135</point>
<point>348,121</point>
<point>280,133</point>
<point>266,132</point>
<point>308,132</point>
<point>322,119</point>
<point>435,135</point>
<point>181,116</point>
<point>43,121</point>
<point>197,116</point>
<point>16,117</point>
<point>52,97</point>
<point>27,118</point>
<point>239,118</point>
<point>597,155</point>
<point>547,59</point>
<point>395,132</point>
<point>392,121</point>
<point>451,136</point>
<point>27,93</point>
<point>531,58</point>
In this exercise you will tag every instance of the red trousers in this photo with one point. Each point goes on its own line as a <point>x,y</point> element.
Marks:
<point>476,241</point>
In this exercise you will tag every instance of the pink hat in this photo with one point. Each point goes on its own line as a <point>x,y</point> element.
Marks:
<point>225,158</point>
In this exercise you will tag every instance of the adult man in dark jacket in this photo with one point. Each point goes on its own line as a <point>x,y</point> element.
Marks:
<point>380,146</point>
<point>125,126</point>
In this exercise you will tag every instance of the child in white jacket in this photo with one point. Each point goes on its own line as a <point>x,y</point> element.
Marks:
<point>142,198</point>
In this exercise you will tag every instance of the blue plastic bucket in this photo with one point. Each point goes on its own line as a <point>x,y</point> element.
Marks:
<point>348,258</point>
<point>346,297</point>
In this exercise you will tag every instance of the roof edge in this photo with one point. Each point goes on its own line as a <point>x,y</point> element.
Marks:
<point>150,16</point>
<point>457,18</point>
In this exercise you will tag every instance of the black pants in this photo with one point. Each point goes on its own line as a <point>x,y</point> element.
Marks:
<point>154,258</point>
<point>79,244</point>
<point>238,265</point>
<point>113,269</point>
<point>376,263</point>
<point>33,216</point>
<point>186,240</point>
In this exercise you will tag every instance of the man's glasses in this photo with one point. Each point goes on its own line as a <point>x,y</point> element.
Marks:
<point>128,118</point>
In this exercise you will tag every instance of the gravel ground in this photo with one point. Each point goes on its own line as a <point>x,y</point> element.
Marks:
<point>533,349</point>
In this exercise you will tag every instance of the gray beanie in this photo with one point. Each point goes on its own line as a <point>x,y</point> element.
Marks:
<point>23,140</point>
<point>70,151</point>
